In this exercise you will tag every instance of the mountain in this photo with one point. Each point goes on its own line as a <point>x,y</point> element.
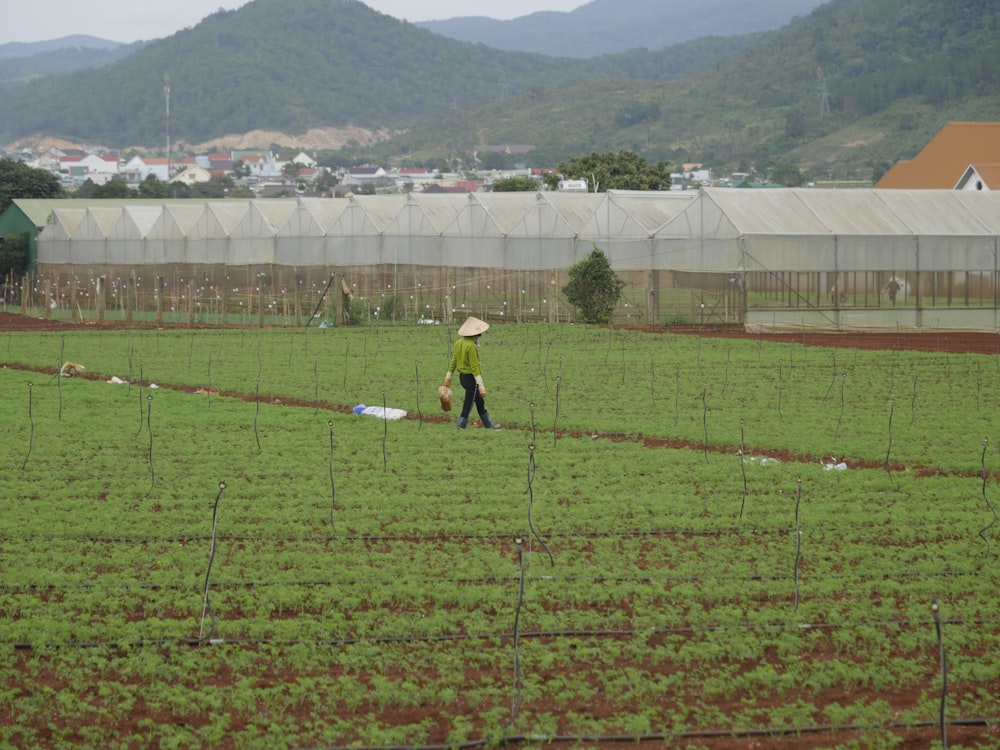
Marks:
<point>893,72</point>
<point>842,92</point>
<point>11,50</point>
<point>604,27</point>
<point>299,64</point>
<point>20,63</point>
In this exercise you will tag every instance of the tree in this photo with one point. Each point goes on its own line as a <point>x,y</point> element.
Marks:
<point>18,180</point>
<point>116,187</point>
<point>13,257</point>
<point>788,175</point>
<point>594,289</point>
<point>152,187</point>
<point>616,170</point>
<point>514,185</point>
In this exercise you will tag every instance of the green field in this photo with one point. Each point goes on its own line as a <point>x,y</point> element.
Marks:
<point>650,553</point>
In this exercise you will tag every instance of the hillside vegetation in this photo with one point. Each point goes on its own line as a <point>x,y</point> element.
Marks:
<point>603,27</point>
<point>893,73</point>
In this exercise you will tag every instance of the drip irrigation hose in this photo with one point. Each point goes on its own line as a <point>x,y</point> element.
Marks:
<point>516,702</point>
<point>416,375</point>
<point>798,542</point>
<point>139,392</point>
<point>935,610</point>
<point>31,430</point>
<point>743,468</point>
<point>316,384</point>
<point>555,419</point>
<point>385,434</point>
<point>149,429</point>
<point>982,532</point>
<point>531,500</point>
<point>333,491</point>
<point>888,450</point>
<point>256,412</point>
<point>206,607</point>
<point>704,420</point>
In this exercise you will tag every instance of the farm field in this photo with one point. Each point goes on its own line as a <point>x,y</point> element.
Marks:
<point>657,550</point>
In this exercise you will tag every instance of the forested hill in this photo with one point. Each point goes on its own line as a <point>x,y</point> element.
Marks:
<point>298,64</point>
<point>603,27</point>
<point>894,72</point>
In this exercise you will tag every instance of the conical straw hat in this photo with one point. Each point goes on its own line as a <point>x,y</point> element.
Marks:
<point>473,327</point>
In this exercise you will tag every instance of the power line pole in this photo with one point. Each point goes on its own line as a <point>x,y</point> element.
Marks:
<point>166,94</point>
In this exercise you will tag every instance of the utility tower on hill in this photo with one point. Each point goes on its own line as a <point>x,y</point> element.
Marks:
<point>824,96</point>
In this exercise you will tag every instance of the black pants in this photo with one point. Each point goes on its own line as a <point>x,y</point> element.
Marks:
<point>468,382</point>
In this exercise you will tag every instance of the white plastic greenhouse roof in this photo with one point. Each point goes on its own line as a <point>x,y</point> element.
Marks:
<point>800,211</point>
<point>713,230</point>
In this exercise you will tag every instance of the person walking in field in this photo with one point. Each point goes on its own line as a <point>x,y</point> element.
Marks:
<point>465,361</point>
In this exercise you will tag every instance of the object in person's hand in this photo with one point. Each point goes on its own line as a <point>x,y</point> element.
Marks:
<point>444,394</point>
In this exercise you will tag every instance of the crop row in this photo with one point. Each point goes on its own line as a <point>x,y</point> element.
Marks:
<point>266,569</point>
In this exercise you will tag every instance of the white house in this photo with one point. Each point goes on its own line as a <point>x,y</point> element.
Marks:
<point>138,168</point>
<point>193,174</point>
<point>90,164</point>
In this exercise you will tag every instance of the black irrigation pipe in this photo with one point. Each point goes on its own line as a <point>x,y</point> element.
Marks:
<point>695,734</point>
<point>316,384</point>
<point>206,607</point>
<point>62,360</point>
<point>935,610</point>
<point>743,469</point>
<point>704,420</point>
<point>416,376</point>
<point>256,413</point>
<point>31,432</point>
<point>139,392</point>
<point>780,384</point>
<point>840,419</point>
<point>645,633</point>
<point>982,532</point>
<point>149,429</point>
<point>385,435</point>
<point>677,392</point>
<point>888,450</point>
<point>798,542</point>
<point>531,500</point>
<point>555,419</point>
<point>518,684</point>
<point>333,491</point>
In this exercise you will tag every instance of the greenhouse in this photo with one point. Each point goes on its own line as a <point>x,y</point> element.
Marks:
<point>767,259</point>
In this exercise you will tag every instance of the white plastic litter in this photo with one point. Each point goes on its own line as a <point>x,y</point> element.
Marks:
<point>381,412</point>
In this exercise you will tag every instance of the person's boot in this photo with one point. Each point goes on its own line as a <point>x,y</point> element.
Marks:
<point>462,423</point>
<point>488,423</point>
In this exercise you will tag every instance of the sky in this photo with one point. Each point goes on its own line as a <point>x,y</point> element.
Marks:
<point>131,20</point>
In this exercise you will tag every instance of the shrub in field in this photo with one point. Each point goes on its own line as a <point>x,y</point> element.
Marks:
<point>594,289</point>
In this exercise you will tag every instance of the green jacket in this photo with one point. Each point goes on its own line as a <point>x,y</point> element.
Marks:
<point>466,357</point>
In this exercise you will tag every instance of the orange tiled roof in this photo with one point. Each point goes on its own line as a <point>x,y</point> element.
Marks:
<point>943,161</point>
